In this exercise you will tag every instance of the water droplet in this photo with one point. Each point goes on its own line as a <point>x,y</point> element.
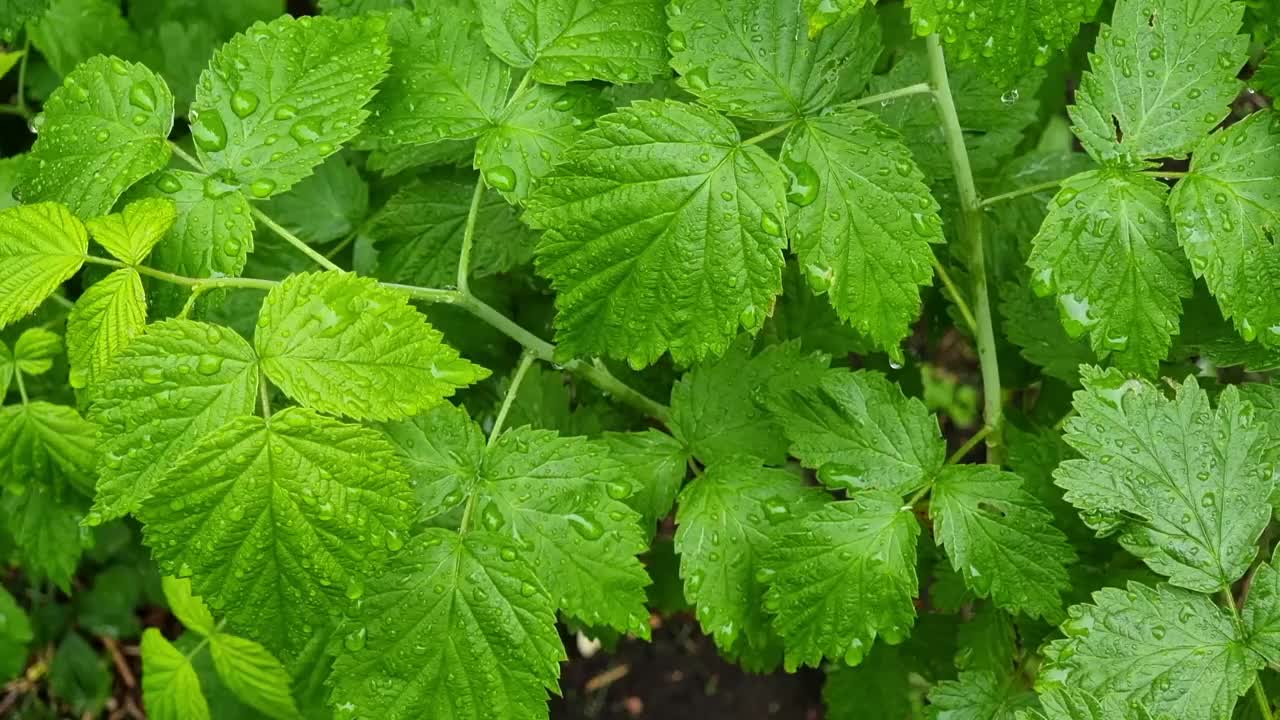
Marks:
<point>491,517</point>
<point>820,278</point>
<point>501,177</point>
<point>305,131</point>
<point>209,131</point>
<point>354,641</point>
<point>286,112</point>
<point>208,364</point>
<point>355,589</point>
<point>769,223</point>
<point>697,79</point>
<point>243,103</point>
<point>527,589</point>
<point>618,490</point>
<point>262,188</point>
<point>589,529</point>
<point>804,183</point>
<point>142,96</point>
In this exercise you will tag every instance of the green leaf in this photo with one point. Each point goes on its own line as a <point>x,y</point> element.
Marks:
<point>321,335</point>
<point>1227,224</point>
<point>104,129</point>
<point>1004,38</point>
<point>279,521</point>
<point>1163,75</point>
<point>1034,325</point>
<point>561,498</point>
<point>1000,539</point>
<point>78,676</point>
<point>35,350</point>
<point>352,8</point>
<point>189,609</point>
<point>859,431</point>
<point>170,688</point>
<point>1171,650</point>
<point>178,51</point>
<point>326,207</point>
<point>663,232</point>
<point>979,696</point>
<point>878,689</point>
<point>842,576</point>
<point>174,384</point>
<point>418,233</point>
<point>211,236</point>
<point>438,61</point>
<point>862,220</point>
<point>656,463</point>
<point>41,247</point>
<point>46,444</point>
<point>729,518</point>
<point>15,14</point>
<point>45,528</point>
<point>995,116</point>
<point>618,41</point>
<point>1185,485</point>
<point>73,31</point>
<point>300,95</point>
<point>1109,252</point>
<point>716,408</point>
<point>1262,612</point>
<point>802,315</point>
<point>443,451</point>
<point>131,233</point>
<point>15,635</point>
<point>103,322</point>
<point>253,675</point>
<point>459,628</point>
<point>531,135</point>
<point>754,58</point>
<point>1073,704</point>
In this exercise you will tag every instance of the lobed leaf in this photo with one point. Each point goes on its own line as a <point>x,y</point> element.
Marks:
<point>104,320</point>
<point>41,247</point>
<point>130,234</point>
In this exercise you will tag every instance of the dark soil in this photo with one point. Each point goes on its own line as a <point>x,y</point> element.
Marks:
<point>678,676</point>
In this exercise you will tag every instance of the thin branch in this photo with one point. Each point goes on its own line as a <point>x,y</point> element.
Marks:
<point>1259,692</point>
<point>22,74</point>
<point>969,445</point>
<point>1028,190</point>
<point>769,133</point>
<point>971,233</point>
<point>526,361</point>
<point>961,304</point>
<point>264,396</point>
<point>886,97</point>
<point>293,240</point>
<point>22,388</point>
<point>468,237</point>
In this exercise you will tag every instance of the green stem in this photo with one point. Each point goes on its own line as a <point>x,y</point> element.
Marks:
<point>22,388</point>
<point>769,133</point>
<point>202,283</point>
<point>961,304</point>
<point>599,375</point>
<point>264,396</point>
<point>911,501</point>
<point>350,238</point>
<point>293,240</point>
<point>521,86</point>
<point>971,235</point>
<point>1259,693</point>
<point>526,361</point>
<point>185,157</point>
<point>15,110</point>
<point>205,640</point>
<point>22,74</point>
<point>468,237</point>
<point>1029,190</point>
<point>885,97</point>
<point>969,445</point>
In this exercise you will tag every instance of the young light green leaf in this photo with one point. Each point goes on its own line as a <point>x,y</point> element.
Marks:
<point>560,41</point>
<point>35,350</point>
<point>131,233</point>
<point>1000,539</point>
<point>282,96</point>
<point>467,607</point>
<point>15,634</point>
<point>862,219</point>
<point>253,675</point>
<point>1262,612</point>
<point>1073,704</point>
<point>729,518</point>
<point>41,247</point>
<point>859,431</point>
<point>842,576</point>
<point>1185,485</point>
<point>663,232</point>
<point>418,233</point>
<point>321,335</point>
<point>47,445</point>
<point>438,61</point>
<point>277,520</point>
<point>979,696</point>
<point>717,408</point>
<point>189,609</point>
<point>754,58</point>
<point>170,687</point>
<point>1004,38</point>
<point>44,524</point>
<point>996,116</point>
<point>1109,252</point>
<point>174,384</point>
<point>212,234</point>
<point>104,129</point>
<point>103,322</point>
<point>1226,221</point>
<point>1164,75</point>
<point>531,134</point>
<point>1171,650</point>
<point>656,464</point>
<point>325,207</point>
